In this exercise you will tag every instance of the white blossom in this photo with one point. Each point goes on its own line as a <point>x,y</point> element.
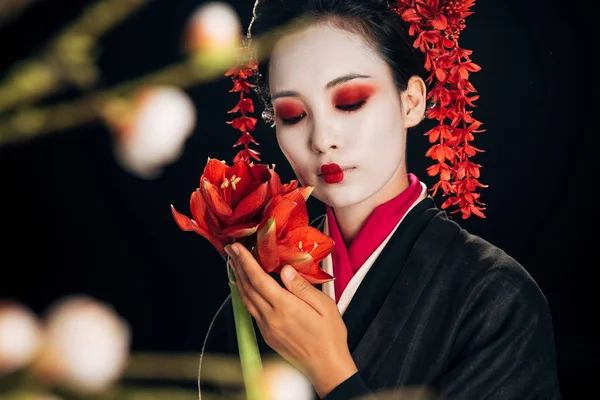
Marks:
<point>284,382</point>
<point>86,346</point>
<point>154,132</point>
<point>214,26</point>
<point>20,336</point>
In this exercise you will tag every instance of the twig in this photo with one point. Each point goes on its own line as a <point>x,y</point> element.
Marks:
<point>67,58</point>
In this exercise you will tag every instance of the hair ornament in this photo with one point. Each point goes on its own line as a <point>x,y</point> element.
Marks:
<point>437,25</point>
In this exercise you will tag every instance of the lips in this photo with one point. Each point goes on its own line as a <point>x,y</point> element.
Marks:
<point>332,173</point>
<point>330,169</point>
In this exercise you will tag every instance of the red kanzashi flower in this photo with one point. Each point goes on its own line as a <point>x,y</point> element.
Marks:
<point>437,25</point>
<point>239,75</point>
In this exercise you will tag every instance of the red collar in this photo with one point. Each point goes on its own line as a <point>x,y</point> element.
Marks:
<point>377,227</point>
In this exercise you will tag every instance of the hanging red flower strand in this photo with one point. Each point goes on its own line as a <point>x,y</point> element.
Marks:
<point>437,25</point>
<point>246,124</point>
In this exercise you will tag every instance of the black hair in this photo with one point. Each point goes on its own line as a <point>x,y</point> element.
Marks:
<point>374,20</point>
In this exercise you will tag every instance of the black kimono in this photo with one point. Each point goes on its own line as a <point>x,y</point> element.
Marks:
<point>441,309</point>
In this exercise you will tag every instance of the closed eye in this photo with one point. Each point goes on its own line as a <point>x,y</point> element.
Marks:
<point>293,120</point>
<point>343,107</point>
<point>351,107</point>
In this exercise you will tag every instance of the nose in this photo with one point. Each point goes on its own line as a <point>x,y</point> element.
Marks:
<point>325,136</point>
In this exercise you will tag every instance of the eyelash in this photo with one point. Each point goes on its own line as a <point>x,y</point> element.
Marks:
<point>346,108</point>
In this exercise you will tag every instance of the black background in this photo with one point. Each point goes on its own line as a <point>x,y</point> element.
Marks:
<point>74,222</point>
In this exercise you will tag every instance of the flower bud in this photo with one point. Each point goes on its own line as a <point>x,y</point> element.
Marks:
<point>214,27</point>
<point>281,381</point>
<point>86,345</point>
<point>20,336</point>
<point>150,132</point>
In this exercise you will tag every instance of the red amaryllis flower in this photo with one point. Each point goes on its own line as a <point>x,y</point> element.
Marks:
<point>285,237</point>
<point>228,203</point>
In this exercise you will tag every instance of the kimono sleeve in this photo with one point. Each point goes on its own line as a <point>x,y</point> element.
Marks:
<point>504,347</point>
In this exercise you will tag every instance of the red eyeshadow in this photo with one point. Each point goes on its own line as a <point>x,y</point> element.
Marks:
<point>288,109</point>
<point>353,93</point>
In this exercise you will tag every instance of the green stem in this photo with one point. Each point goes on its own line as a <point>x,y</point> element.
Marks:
<point>248,348</point>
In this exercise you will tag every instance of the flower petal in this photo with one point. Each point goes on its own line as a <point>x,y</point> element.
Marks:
<point>259,172</point>
<point>316,275</point>
<point>275,182</point>
<point>306,191</point>
<point>187,224</point>
<point>314,242</point>
<point>240,231</point>
<point>439,22</point>
<point>214,201</point>
<point>476,211</point>
<point>266,245</point>
<point>299,216</point>
<point>288,187</point>
<point>184,222</point>
<point>324,244</point>
<point>250,205</point>
<point>280,209</point>
<point>297,258</point>
<point>411,15</point>
<point>239,170</point>
<point>201,214</point>
<point>215,171</point>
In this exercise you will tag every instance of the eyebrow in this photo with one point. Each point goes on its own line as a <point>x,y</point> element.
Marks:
<point>331,84</point>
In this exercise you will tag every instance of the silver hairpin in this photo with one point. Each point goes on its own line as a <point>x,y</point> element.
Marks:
<point>267,116</point>
<point>248,33</point>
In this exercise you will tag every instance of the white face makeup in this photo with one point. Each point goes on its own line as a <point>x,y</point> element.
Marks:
<point>335,102</point>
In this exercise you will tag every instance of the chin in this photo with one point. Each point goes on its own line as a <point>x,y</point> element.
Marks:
<point>340,196</point>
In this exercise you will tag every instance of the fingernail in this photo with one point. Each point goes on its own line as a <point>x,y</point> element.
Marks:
<point>289,273</point>
<point>229,251</point>
<point>235,248</point>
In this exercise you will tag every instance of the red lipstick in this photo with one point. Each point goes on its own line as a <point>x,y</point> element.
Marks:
<point>332,173</point>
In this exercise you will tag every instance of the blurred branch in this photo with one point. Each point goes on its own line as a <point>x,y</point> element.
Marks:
<point>29,122</point>
<point>160,393</point>
<point>11,9</point>
<point>68,57</point>
<point>218,369</point>
<point>34,121</point>
<point>122,393</point>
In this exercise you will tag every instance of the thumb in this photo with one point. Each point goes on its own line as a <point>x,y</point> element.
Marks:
<point>300,287</point>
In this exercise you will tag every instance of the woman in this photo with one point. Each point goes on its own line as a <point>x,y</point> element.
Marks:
<point>416,300</point>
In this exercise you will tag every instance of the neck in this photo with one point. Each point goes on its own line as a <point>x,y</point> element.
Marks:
<point>351,218</point>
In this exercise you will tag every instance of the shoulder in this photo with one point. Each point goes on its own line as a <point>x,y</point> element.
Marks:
<point>500,324</point>
<point>477,262</point>
<point>491,290</point>
<point>481,288</point>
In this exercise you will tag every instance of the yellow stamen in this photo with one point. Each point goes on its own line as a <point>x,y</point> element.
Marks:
<point>234,181</point>
<point>300,245</point>
<point>225,183</point>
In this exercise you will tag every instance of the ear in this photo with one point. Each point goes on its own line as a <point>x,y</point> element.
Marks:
<point>414,101</point>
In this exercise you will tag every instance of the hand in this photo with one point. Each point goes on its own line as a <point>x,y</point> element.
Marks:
<point>302,324</point>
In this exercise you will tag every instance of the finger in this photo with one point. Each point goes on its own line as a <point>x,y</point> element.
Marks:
<point>300,287</point>
<point>254,296</point>
<point>256,277</point>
